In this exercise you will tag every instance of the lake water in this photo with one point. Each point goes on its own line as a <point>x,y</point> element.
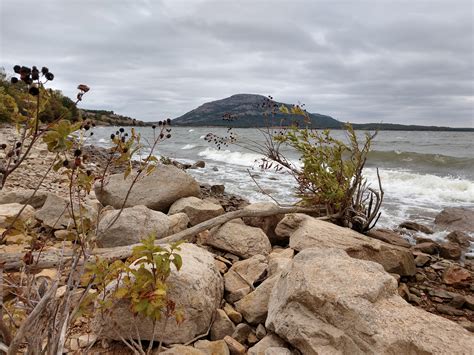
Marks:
<point>421,172</point>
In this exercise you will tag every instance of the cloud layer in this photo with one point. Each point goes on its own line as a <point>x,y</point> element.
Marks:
<point>360,61</point>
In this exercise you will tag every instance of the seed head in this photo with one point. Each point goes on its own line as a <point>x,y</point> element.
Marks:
<point>121,130</point>
<point>3,146</point>
<point>153,126</point>
<point>66,163</point>
<point>17,69</point>
<point>44,70</point>
<point>49,76</point>
<point>34,91</point>
<point>77,153</point>
<point>14,80</point>
<point>112,136</point>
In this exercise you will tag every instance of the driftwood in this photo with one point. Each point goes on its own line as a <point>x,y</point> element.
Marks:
<point>51,259</point>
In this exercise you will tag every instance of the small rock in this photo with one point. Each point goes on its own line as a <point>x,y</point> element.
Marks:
<point>450,251</point>
<point>416,227</point>
<point>456,276</point>
<point>239,280</point>
<point>241,332</point>
<point>221,326</point>
<point>217,190</point>
<point>422,259</point>
<point>389,236</point>
<point>9,211</point>
<point>440,293</point>
<point>218,347</point>
<point>457,301</point>
<point>467,324</point>
<point>252,339</point>
<point>260,332</point>
<point>221,266</point>
<point>233,315</point>
<point>269,341</point>
<point>277,351</point>
<point>196,209</point>
<point>460,238</point>
<point>183,350</point>
<point>199,164</point>
<point>178,222</point>
<point>235,347</point>
<point>427,248</point>
<point>450,311</point>
<point>469,302</point>
<point>455,218</point>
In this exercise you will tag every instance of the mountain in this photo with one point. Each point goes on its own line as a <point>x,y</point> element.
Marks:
<point>110,118</point>
<point>247,110</point>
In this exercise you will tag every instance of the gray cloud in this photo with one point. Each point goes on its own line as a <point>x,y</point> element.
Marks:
<point>365,61</point>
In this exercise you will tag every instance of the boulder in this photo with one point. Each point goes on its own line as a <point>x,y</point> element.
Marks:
<point>450,251</point>
<point>427,247</point>
<point>269,341</point>
<point>418,227</point>
<point>56,212</point>
<point>196,209</point>
<point>234,346</point>
<point>9,211</point>
<point>313,232</point>
<point>221,326</point>
<point>460,238</point>
<point>456,218</point>
<point>134,224</point>
<point>457,276</point>
<point>157,191</point>
<point>178,222</point>
<point>240,239</point>
<point>197,289</point>
<point>254,306</point>
<point>327,302</point>
<point>183,350</point>
<point>22,197</point>
<point>242,276</point>
<point>241,332</point>
<point>267,224</point>
<point>389,236</point>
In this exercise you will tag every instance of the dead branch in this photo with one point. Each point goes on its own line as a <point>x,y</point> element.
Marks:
<point>51,259</point>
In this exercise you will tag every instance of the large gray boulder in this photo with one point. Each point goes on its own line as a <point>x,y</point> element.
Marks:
<point>133,224</point>
<point>196,209</point>
<point>456,218</point>
<point>157,191</point>
<point>197,289</point>
<point>241,240</point>
<point>310,232</point>
<point>56,212</point>
<point>326,302</point>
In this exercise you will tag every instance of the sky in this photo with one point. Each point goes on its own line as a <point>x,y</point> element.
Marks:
<point>391,61</point>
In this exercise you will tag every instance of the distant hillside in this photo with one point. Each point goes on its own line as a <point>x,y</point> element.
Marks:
<point>109,118</point>
<point>245,110</point>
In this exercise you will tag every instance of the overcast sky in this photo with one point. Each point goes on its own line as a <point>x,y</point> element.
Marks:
<point>361,61</point>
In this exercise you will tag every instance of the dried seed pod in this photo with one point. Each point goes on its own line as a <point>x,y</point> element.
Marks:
<point>49,76</point>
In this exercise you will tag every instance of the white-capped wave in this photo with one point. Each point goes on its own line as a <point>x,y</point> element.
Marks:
<point>191,130</point>
<point>189,146</point>
<point>226,156</point>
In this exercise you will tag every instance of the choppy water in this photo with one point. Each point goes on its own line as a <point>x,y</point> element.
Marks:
<point>421,172</point>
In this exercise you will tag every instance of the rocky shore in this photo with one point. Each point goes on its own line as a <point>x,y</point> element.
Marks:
<point>283,284</point>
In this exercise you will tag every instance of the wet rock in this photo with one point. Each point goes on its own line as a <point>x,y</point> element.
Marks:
<point>196,209</point>
<point>199,164</point>
<point>418,227</point>
<point>431,248</point>
<point>460,238</point>
<point>217,190</point>
<point>456,218</point>
<point>456,276</point>
<point>241,240</point>
<point>450,251</point>
<point>389,237</point>
<point>134,224</point>
<point>156,191</point>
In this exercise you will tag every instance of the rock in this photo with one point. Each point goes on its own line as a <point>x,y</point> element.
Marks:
<point>196,209</point>
<point>217,190</point>
<point>326,302</point>
<point>183,350</point>
<point>390,237</point>
<point>456,276</point>
<point>469,302</point>
<point>450,311</point>
<point>254,306</point>
<point>277,260</point>
<point>450,251</point>
<point>241,240</point>
<point>267,224</point>
<point>437,292</point>
<point>242,332</point>
<point>134,224</point>
<point>269,341</point>
<point>457,301</point>
<point>422,259</point>
<point>199,164</point>
<point>427,248</point>
<point>9,211</point>
<point>456,218</point>
<point>418,227</point>
<point>238,281</point>
<point>82,341</point>
<point>233,315</point>
<point>221,266</point>
<point>156,191</point>
<point>22,197</point>
<point>178,222</point>
<point>289,224</point>
<point>260,332</point>
<point>468,325</point>
<point>221,326</point>
<point>56,214</point>
<point>460,238</point>
<point>218,347</point>
<point>235,347</point>
<point>197,288</point>
<point>277,351</point>
<point>252,339</point>
<point>313,232</point>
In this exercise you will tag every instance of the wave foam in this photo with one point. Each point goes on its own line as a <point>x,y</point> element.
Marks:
<point>226,156</point>
<point>189,146</point>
